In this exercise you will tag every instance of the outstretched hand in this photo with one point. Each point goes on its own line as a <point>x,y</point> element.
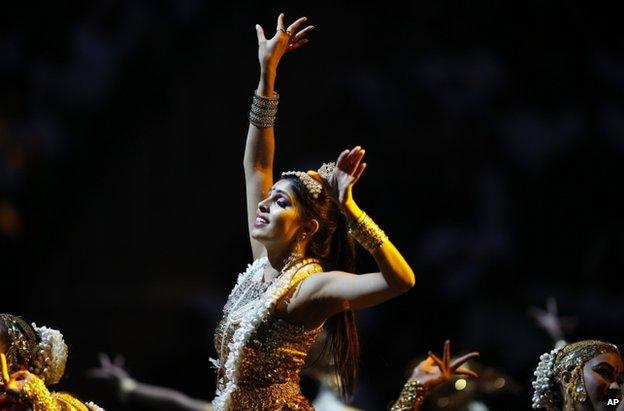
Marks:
<point>339,184</point>
<point>550,321</point>
<point>271,50</point>
<point>109,370</point>
<point>434,371</point>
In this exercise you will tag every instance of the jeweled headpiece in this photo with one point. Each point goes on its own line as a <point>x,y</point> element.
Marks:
<point>314,187</point>
<point>572,358</point>
<point>41,350</point>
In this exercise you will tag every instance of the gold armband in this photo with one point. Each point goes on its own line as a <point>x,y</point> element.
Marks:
<point>412,396</point>
<point>367,233</point>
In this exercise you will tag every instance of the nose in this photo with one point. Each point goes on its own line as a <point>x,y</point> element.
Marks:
<point>263,207</point>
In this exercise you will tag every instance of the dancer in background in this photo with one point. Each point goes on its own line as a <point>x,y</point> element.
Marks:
<point>39,350</point>
<point>585,375</point>
<point>430,373</point>
<point>32,359</point>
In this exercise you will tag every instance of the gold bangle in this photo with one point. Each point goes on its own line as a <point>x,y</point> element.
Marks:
<point>367,233</point>
<point>412,396</point>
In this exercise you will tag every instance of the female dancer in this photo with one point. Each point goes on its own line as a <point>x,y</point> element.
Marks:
<point>301,230</point>
<point>585,375</point>
<point>31,359</point>
<point>40,350</point>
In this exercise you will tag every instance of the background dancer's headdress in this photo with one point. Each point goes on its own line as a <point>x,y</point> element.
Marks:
<point>40,350</point>
<point>571,358</point>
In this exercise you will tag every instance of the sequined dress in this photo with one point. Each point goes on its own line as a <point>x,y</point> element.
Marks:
<point>267,369</point>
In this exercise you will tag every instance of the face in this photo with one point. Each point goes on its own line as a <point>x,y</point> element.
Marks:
<point>603,376</point>
<point>278,219</point>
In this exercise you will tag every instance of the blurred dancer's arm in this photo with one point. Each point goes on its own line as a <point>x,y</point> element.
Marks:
<point>428,374</point>
<point>260,144</point>
<point>161,398</point>
<point>134,394</point>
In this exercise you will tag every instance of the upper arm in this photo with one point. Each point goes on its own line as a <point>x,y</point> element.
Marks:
<point>340,290</point>
<point>257,185</point>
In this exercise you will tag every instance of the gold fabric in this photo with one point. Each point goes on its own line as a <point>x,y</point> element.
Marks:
<point>412,396</point>
<point>35,394</point>
<point>271,361</point>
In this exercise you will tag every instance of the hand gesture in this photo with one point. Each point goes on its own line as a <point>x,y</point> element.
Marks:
<point>434,371</point>
<point>108,370</point>
<point>271,50</point>
<point>550,321</point>
<point>339,184</point>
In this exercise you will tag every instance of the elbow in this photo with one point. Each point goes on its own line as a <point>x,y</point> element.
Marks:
<point>409,281</point>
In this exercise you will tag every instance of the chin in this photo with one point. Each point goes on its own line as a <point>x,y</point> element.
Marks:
<point>258,235</point>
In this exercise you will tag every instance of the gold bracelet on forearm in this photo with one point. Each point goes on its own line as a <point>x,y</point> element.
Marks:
<point>263,110</point>
<point>367,233</point>
<point>412,396</point>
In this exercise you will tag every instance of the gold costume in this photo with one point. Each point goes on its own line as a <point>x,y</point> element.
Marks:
<point>271,359</point>
<point>29,390</point>
<point>412,396</point>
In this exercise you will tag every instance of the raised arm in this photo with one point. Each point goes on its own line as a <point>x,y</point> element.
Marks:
<point>260,144</point>
<point>337,291</point>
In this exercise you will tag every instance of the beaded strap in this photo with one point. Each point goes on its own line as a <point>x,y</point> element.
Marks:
<point>412,396</point>
<point>367,233</point>
<point>263,110</point>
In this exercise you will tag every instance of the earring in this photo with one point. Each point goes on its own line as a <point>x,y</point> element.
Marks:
<point>576,387</point>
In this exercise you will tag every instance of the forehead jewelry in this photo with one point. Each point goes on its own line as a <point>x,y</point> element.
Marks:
<point>314,187</point>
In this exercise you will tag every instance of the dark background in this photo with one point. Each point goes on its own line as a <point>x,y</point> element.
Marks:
<point>494,134</point>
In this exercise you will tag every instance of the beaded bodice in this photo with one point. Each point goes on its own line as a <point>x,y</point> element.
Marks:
<point>271,358</point>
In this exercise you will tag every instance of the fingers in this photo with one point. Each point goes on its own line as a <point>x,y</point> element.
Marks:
<point>342,158</point>
<point>437,361</point>
<point>350,160</point>
<point>466,372</point>
<point>104,360</point>
<point>293,27</point>
<point>260,33</point>
<point>551,305</point>
<point>358,172</point>
<point>280,22</point>
<point>459,361</point>
<point>296,45</point>
<point>301,34</point>
<point>447,353</point>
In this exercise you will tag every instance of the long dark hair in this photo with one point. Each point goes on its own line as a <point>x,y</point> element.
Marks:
<point>333,246</point>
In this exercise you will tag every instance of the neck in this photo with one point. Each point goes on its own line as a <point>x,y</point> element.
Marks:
<point>281,257</point>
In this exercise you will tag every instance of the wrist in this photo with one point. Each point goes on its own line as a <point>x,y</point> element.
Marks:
<point>127,385</point>
<point>266,85</point>
<point>351,210</point>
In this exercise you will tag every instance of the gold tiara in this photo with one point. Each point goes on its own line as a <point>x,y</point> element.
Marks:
<point>313,186</point>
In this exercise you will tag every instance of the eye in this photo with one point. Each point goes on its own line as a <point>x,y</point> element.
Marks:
<point>281,202</point>
<point>603,371</point>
